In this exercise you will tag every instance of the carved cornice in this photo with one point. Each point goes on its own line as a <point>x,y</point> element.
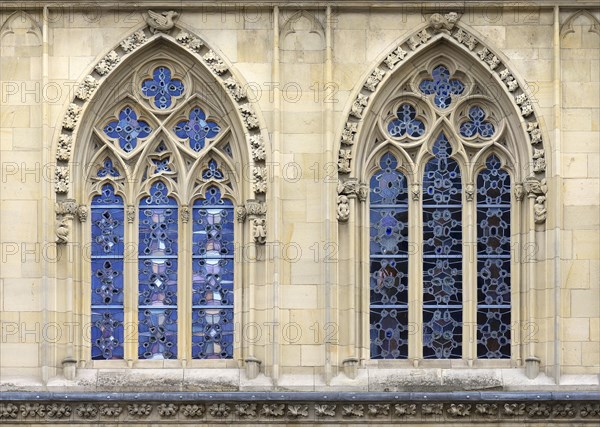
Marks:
<point>383,408</point>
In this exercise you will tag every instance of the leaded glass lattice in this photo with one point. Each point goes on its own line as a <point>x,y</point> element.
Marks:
<point>107,218</point>
<point>442,255</point>
<point>127,129</point>
<point>493,262</point>
<point>389,261</point>
<point>157,266</point>
<point>196,129</point>
<point>442,86</point>
<point>406,123</point>
<point>212,277</point>
<point>162,87</point>
<point>477,125</point>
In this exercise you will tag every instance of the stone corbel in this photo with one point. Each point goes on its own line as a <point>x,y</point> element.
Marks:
<point>537,190</point>
<point>66,210</point>
<point>255,211</point>
<point>348,189</point>
<point>443,23</point>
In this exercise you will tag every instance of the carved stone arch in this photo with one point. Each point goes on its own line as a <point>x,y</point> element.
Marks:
<point>567,26</point>
<point>228,89</point>
<point>487,66</point>
<point>21,23</point>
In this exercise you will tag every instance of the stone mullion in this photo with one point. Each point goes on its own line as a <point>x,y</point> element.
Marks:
<point>415,275</point>
<point>130,284</point>
<point>83,294</point>
<point>354,282</point>
<point>516,281</point>
<point>244,281</point>
<point>362,297</point>
<point>184,286</point>
<point>469,275</point>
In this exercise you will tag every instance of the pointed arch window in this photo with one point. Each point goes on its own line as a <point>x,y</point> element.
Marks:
<point>440,223</point>
<point>164,186</point>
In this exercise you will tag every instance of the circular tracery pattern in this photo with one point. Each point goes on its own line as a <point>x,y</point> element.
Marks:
<point>442,86</point>
<point>477,125</point>
<point>406,123</point>
<point>127,129</point>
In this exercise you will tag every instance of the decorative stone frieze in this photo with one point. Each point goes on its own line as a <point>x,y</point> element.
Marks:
<point>134,41</point>
<point>374,79</point>
<point>508,80</point>
<point>63,151</point>
<point>192,43</point>
<point>249,116</point>
<point>465,38</point>
<point>71,117</point>
<point>535,134</point>
<point>260,179</point>
<point>215,63</point>
<point>108,63</point>
<point>235,89</point>
<point>257,147</point>
<point>418,39</point>
<point>348,133</point>
<point>61,176</point>
<point>539,161</point>
<point>343,208</point>
<point>86,88</point>
<point>489,58</point>
<point>359,105</point>
<point>396,56</point>
<point>344,161</point>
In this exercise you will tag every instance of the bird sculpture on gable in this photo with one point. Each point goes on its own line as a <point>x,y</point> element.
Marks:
<point>162,21</point>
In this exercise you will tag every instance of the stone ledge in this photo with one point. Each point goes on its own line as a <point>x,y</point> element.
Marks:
<point>302,407</point>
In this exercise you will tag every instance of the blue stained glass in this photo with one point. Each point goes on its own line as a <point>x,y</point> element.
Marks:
<point>406,123</point>
<point>158,282</point>
<point>157,333</point>
<point>212,172</point>
<point>389,261</point>
<point>162,87</point>
<point>157,277</point>
<point>196,129</point>
<point>107,197</point>
<point>212,276</point>
<point>127,129</point>
<point>107,282</point>
<point>108,169</point>
<point>212,333</point>
<point>442,86</point>
<point>442,333</point>
<point>107,218</point>
<point>477,124</point>
<point>493,262</point>
<point>389,333</point>
<point>107,333</point>
<point>161,165</point>
<point>442,254</point>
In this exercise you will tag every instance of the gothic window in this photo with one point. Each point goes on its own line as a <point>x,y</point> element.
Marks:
<point>440,222</point>
<point>162,185</point>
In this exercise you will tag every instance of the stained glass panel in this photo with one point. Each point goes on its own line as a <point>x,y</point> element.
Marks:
<point>157,267</point>
<point>212,277</point>
<point>389,261</point>
<point>127,129</point>
<point>196,129</point>
<point>493,262</point>
<point>162,87</point>
<point>477,125</point>
<point>442,255</point>
<point>406,123</point>
<point>107,226</point>
<point>442,86</point>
